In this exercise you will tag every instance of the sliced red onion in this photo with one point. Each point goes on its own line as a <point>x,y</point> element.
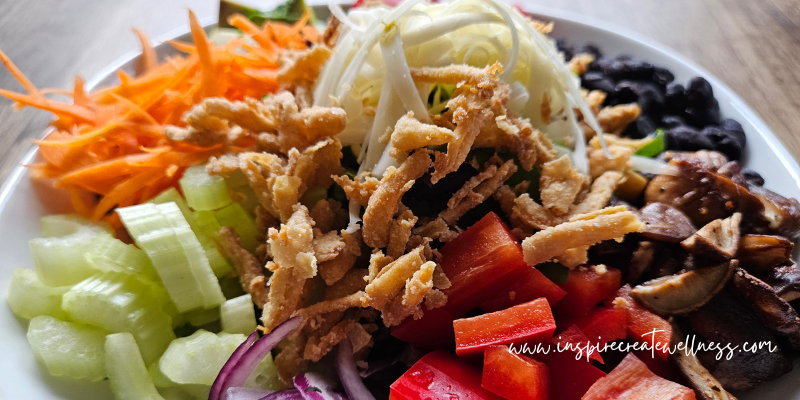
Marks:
<point>241,364</point>
<point>288,394</point>
<point>314,386</point>
<point>348,374</point>
<point>216,388</point>
<point>243,393</point>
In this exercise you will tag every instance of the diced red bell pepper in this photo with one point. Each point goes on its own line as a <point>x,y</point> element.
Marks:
<point>632,380</point>
<point>513,376</point>
<point>573,339</point>
<point>433,331</point>
<point>441,375</point>
<point>570,378</point>
<point>528,284</point>
<point>659,366</point>
<point>479,262</point>
<point>601,326</point>
<point>525,323</point>
<point>642,322</point>
<point>586,286</point>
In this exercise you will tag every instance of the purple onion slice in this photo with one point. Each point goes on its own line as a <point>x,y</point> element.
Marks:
<point>242,363</point>
<point>314,386</point>
<point>288,394</point>
<point>216,387</point>
<point>348,374</point>
<point>243,393</point>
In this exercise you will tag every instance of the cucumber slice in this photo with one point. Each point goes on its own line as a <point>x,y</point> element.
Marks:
<point>28,297</point>
<point>200,318</point>
<point>126,370</point>
<point>68,349</point>
<point>58,258</point>
<point>177,255</point>
<point>119,302</point>
<point>238,316</point>
<point>203,191</point>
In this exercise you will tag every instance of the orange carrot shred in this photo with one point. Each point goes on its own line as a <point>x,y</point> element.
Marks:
<point>149,59</point>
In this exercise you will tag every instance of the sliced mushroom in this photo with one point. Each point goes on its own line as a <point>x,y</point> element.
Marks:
<point>782,214</point>
<point>684,292</point>
<point>665,223</point>
<point>728,321</point>
<point>704,195</point>
<point>775,312</point>
<point>641,259</point>
<point>719,239</point>
<point>761,253</point>
<point>697,376</point>
<point>785,280</point>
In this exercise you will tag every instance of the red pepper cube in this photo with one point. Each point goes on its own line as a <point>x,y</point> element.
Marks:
<point>513,376</point>
<point>528,285</point>
<point>480,262</point>
<point>525,323</point>
<point>440,375</point>
<point>632,380</point>
<point>570,378</point>
<point>586,286</point>
<point>433,331</point>
<point>573,340</point>
<point>601,326</point>
<point>642,323</point>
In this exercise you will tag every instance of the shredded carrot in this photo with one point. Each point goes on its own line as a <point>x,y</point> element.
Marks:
<point>108,148</point>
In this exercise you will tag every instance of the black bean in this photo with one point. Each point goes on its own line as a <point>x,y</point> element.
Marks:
<point>593,80</point>
<point>675,98</point>
<point>640,128</point>
<point>629,69</point>
<point>735,129</point>
<point>625,92</point>
<point>726,142</point>
<point>565,48</point>
<point>671,121</point>
<point>662,76</point>
<point>701,107</point>
<point>686,138</point>
<point>647,94</point>
<point>752,177</point>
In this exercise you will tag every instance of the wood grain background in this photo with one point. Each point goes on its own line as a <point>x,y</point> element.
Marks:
<point>753,46</point>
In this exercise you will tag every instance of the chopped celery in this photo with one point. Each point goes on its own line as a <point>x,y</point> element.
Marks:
<point>28,297</point>
<point>119,302</point>
<point>127,373</point>
<point>231,286</point>
<point>313,195</point>
<point>66,224</point>
<point>235,216</point>
<point>107,253</point>
<point>194,362</point>
<point>177,255</point>
<point>205,223</point>
<point>59,260</point>
<point>68,349</point>
<point>176,393</point>
<point>203,191</point>
<point>245,196</point>
<point>202,317</point>
<point>265,376</point>
<point>238,316</point>
<point>196,219</point>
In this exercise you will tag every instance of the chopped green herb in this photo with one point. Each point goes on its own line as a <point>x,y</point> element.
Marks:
<point>554,271</point>
<point>655,147</point>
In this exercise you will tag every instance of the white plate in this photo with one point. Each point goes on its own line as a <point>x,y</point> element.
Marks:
<point>23,203</point>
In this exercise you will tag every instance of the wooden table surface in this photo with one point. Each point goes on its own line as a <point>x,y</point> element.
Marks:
<point>753,46</point>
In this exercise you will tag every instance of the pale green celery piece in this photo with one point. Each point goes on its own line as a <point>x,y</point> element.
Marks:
<point>172,195</point>
<point>177,393</point>
<point>28,297</point>
<point>127,373</point>
<point>203,191</point>
<point>205,223</point>
<point>164,234</point>
<point>60,261</point>
<point>68,349</point>
<point>245,196</point>
<point>265,376</point>
<point>235,216</point>
<point>195,361</point>
<point>158,377</point>
<point>199,318</point>
<point>107,253</point>
<point>119,302</point>
<point>238,316</point>
<point>66,224</point>
<point>313,195</point>
<point>236,179</point>
<point>231,286</point>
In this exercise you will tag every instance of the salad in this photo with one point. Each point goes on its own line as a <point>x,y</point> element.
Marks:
<point>424,200</point>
